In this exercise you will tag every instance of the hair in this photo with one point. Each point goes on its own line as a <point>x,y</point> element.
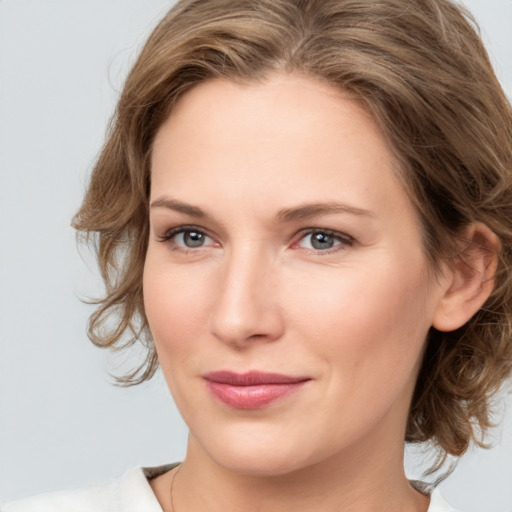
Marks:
<point>422,72</point>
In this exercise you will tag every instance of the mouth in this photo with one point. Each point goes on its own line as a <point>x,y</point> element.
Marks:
<point>251,390</point>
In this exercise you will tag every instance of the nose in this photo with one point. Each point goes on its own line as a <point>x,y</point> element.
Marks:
<point>247,308</point>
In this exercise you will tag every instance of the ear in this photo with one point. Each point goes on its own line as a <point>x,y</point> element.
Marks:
<point>469,276</point>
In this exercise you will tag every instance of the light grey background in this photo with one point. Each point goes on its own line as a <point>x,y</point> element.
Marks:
<point>62,423</point>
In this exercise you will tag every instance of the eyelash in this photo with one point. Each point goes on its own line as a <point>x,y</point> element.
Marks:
<point>343,240</point>
<point>169,235</point>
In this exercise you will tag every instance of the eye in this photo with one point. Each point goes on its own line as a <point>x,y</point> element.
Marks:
<point>186,237</point>
<point>324,240</point>
<point>190,238</point>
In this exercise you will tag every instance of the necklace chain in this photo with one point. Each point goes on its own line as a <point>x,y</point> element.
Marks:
<point>172,485</point>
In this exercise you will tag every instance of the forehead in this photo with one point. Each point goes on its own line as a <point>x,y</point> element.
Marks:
<point>291,139</point>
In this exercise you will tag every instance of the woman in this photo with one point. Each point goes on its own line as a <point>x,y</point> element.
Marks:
<point>303,211</point>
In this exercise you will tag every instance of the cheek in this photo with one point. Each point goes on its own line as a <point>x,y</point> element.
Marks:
<point>355,300</point>
<point>174,301</point>
<point>369,327</point>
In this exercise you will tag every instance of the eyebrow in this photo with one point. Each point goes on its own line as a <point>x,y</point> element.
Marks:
<point>307,211</point>
<point>301,212</point>
<point>178,206</point>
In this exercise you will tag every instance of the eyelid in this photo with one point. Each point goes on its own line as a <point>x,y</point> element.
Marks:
<point>344,239</point>
<point>171,233</point>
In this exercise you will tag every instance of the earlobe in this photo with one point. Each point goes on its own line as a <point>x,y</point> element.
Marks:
<point>470,278</point>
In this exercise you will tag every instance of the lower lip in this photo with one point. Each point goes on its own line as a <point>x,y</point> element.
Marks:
<point>252,397</point>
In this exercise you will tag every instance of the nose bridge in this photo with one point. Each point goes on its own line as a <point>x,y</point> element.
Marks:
<point>246,306</point>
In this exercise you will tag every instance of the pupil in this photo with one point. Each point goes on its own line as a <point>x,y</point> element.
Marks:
<point>193,239</point>
<point>322,241</point>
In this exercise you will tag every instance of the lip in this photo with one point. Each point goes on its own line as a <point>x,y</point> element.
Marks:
<point>251,390</point>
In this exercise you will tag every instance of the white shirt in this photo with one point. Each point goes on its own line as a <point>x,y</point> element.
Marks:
<point>130,493</point>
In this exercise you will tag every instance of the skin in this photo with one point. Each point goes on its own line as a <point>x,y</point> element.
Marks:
<point>257,294</point>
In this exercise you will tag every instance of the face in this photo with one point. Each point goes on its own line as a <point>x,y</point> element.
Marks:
<point>285,283</point>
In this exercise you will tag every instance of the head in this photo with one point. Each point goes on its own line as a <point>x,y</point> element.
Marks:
<point>423,77</point>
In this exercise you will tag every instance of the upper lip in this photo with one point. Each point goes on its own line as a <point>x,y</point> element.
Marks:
<point>252,378</point>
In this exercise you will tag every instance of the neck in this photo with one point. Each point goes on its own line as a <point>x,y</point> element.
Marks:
<point>366,483</point>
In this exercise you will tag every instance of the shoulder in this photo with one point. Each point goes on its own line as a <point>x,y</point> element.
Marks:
<point>98,498</point>
<point>130,493</point>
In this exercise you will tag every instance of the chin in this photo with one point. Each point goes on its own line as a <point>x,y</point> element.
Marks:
<point>258,464</point>
<point>258,454</point>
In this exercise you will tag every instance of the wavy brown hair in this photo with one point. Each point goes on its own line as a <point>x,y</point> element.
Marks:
<point>422,72</point>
